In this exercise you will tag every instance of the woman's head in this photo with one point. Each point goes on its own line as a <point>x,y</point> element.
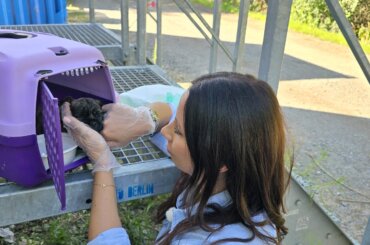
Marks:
<point>233,121</point>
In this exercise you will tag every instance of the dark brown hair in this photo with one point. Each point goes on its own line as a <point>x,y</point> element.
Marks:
<point>233,120</point>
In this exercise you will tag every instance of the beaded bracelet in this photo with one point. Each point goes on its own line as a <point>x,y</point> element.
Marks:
<point>105,185</point>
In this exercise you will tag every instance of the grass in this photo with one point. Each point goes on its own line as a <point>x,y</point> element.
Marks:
<point>71,228</point>
<point>76,15</point>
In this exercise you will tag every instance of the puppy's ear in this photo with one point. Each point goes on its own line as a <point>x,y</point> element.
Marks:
<point>68,99</point>
<point>99,103</point>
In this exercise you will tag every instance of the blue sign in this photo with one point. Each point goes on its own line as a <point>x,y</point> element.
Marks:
<point>140,190</point>
<point>120,194</point>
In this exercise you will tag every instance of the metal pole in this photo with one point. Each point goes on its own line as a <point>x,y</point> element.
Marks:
<point>193,21</point>
<point>92,11</point>
<point>159,32</point>
<point>216,30</point>
<point>204,22</point>
<point>346,28</point>
<point>274,39</point>
<point>141,32</point>
<point>125,31</point>
<point>240,36</point>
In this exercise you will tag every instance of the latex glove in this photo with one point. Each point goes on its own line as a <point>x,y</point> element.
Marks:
<point>90,141</point>
<point>123,124</point>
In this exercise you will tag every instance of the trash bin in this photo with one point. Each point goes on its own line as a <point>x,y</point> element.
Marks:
<point>23,12</point>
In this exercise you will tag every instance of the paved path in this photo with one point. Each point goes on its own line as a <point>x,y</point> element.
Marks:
<point>323,92</point>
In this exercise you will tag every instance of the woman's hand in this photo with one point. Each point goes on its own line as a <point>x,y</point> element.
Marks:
<point>124,124</point>
<point>90,141</point>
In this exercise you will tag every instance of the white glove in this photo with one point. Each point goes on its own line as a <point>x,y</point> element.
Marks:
<point>123,124</point>
<point>90,141</point>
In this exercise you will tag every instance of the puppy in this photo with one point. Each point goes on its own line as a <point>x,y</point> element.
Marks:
<point>87,110</point>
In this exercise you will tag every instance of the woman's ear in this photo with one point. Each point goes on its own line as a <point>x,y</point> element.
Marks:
<point>223,169</point>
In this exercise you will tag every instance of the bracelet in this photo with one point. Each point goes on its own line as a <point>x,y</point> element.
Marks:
<point>155,118</point>
<point>104,185</point>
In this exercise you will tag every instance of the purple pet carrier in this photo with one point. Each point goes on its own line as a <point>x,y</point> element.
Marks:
<point>36,69</point>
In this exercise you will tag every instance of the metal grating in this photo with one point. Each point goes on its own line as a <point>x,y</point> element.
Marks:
<point>116,63</point>
<point>92,34</point>
<point>127,79</point>
<point>141,150</point>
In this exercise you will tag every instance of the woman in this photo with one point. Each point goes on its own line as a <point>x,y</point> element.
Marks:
<point>228,140</point>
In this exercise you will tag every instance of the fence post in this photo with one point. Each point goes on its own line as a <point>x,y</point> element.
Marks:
<point>159,32</point>
<point>276,28</point>
<point>141,32</point>
<point>125,32</point>
<point>240,36</point>
<point>92,11</point>
<point>216,30</point>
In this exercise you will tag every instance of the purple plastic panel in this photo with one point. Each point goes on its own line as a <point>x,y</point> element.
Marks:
<point>53,139</point>
<point>22,64</point>
<point>20,161</point>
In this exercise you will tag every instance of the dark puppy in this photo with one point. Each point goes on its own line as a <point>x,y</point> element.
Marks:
<point>87,110</point>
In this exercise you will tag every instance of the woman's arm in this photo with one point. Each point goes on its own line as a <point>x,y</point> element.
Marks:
<point>164,113</point>
<point>104,211</point>
<point>124,124</point>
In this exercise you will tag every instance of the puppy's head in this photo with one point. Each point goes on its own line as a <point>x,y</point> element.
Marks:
<point>89,111</point>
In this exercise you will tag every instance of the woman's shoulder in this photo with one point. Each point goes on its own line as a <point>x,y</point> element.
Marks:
<point>237,230</point>
<point>112,236</point>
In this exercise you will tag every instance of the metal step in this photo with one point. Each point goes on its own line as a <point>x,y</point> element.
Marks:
<point>89,33</point>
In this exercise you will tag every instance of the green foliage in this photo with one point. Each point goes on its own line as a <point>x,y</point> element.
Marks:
<point>66,229</point>
<point>72,228</point>
<point>137,218</point>
<point>315,13</point>
<point>228,6</point>
<point>258,6</point>
<point>77,16</point>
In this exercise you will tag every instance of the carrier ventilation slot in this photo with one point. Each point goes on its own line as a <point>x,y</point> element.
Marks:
<point>81,71</point>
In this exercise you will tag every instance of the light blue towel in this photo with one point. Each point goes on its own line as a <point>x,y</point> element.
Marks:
<point>144,95</point>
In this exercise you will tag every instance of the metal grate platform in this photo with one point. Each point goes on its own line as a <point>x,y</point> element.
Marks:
<point>146,171</point>
<point>92,34</point>
<point>141,150</point>
<point>125,79</point>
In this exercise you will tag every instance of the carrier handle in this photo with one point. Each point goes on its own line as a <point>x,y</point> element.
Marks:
<point>14,35</point>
